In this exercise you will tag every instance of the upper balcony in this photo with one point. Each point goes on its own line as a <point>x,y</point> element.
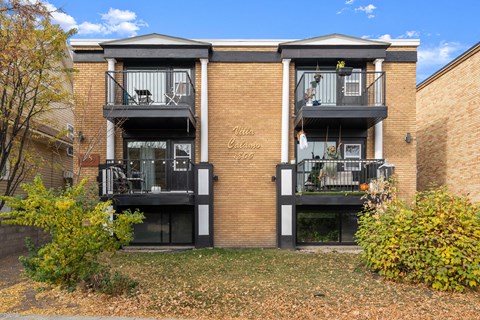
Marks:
<point>327,98</point>
<point>144,96</point>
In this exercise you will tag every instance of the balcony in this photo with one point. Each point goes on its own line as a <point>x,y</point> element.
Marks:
<point>147,181</point>
<point>148,96</point>
<point>327,98</point>
<point>336,179</point>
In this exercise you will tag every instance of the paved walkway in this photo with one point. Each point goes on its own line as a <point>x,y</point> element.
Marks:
<point>38,317</point>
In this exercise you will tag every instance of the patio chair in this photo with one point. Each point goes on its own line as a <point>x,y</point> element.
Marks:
<point>120,181</point>
<point>174,96</point>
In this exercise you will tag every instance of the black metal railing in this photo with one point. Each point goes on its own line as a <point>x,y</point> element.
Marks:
<point>146,176</point>
<point>346,175</point>
<point>331,89</point>
<point>149,87</point>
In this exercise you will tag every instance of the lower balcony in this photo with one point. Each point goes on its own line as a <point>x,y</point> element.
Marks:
<point>336,181</point>
<point>147,182</point>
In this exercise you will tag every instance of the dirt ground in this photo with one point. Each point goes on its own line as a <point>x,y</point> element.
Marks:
<point>10,270</point>
<point>18,293</point>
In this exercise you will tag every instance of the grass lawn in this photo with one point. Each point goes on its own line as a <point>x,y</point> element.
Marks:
<point>255,284</point>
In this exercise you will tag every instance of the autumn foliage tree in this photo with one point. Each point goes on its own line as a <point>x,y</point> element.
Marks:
<point>80,230</point>
<point>31,83</point>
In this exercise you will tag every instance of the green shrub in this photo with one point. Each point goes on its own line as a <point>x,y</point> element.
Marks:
<point>436,240</point>
<point>80,231</point>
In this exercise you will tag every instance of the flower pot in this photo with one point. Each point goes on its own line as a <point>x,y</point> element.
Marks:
<point>345,71</point>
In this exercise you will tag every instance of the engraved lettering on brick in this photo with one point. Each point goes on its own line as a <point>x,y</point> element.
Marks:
<point>242,144</point>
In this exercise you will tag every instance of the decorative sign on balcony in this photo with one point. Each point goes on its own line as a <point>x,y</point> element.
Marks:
<point>243,143</point>
<point>91,160</point>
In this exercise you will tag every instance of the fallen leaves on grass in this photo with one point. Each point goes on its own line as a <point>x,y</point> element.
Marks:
<point>256,284</point>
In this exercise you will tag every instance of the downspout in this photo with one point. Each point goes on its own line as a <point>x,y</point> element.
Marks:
<point>204,112</point>
<point>110,102</point>
<point>378,102</point>
<point>285,109</point>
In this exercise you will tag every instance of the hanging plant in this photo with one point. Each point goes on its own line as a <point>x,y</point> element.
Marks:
<point>318,76</point>
<point>342,70</point>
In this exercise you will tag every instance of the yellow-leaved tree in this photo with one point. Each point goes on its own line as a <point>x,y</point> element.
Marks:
<point>32,76</point>
<point>80,230</point>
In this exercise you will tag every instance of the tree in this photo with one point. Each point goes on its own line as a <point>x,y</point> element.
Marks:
<point>80,230</point>
<point>31,84</point>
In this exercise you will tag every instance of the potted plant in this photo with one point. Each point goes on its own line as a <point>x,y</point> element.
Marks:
<point>342,70</point>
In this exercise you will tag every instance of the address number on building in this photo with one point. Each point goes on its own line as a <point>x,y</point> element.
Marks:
<point>243,155</point>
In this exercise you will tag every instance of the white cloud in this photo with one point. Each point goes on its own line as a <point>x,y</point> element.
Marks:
<point>117,16</point>
<point>385,37</point>
<point>413,34</point>
<point>91,28</point>
<point>432,58</point>
<point>438,55</point>
<point>115,21</point>
<point>349,1</point>
<point>410,34</point>
<point>368,10</point>
<point>125,28</point>
<point>65,21</point>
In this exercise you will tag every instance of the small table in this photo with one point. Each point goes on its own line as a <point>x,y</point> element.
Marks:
<point>144,96</point>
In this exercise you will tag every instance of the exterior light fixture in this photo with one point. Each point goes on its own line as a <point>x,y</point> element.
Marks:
<point>408,137</point>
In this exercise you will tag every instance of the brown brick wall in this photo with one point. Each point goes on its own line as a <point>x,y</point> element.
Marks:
<point>448,122</point>
<point>53,162</point>
<point>401,104</point>
<point>247,95</point>
<point>89,89</point>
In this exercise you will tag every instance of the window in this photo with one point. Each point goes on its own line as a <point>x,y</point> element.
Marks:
<point>352,151</point>
<point>181,81</point>
<point>319,225</point>
<point>70,151</point>
<point>70,131</point>
<point>353,83</point>
<point>182,157</point>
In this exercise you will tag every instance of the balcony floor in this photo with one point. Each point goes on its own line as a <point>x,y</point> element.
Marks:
<point>153,199</point>
<point>354,117</point>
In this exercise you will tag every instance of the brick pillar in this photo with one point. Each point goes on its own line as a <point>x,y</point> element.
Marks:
<point>286,213</point>
<point>203,205</point>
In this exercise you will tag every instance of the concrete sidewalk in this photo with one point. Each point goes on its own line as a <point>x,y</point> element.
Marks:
<point>39,317</point>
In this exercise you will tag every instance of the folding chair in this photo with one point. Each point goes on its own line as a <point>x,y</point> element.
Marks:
<point>174,96</point>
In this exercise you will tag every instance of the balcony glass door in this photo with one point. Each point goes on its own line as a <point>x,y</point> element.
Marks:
<point>149,159</point>
<point>147,86</point>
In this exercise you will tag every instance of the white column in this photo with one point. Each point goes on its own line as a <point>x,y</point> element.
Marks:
<point>204,112</point>
<point>378,101</point>
<point>285,109</point>
<point>110,124</point>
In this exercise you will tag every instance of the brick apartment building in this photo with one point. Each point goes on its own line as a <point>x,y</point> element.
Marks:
<point>448,125</point>
<point>53,149</point>
<point>201,135</point>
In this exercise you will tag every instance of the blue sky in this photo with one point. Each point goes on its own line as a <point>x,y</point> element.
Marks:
<point>445,28</point>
